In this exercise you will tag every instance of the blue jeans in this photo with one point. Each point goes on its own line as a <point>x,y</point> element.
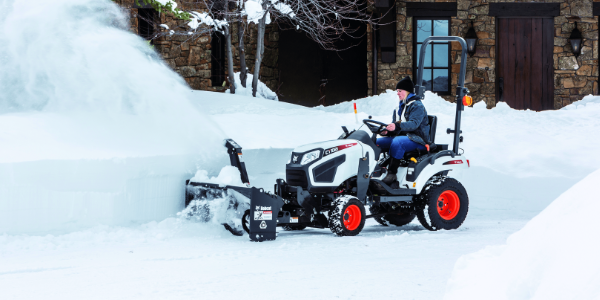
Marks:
<point>398,145</point>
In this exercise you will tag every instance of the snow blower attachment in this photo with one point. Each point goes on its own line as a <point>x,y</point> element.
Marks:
<point>228,204</point>
<point>329,184</point>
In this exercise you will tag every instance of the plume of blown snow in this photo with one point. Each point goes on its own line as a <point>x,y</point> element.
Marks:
<point>74,76</point>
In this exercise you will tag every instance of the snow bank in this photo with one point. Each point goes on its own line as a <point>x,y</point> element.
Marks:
<point>94,127</point>
<point>229,175</point>
<point>553,257</point>
<point>262,91</point>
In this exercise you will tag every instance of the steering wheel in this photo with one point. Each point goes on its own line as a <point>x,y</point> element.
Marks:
<point>375,126</point>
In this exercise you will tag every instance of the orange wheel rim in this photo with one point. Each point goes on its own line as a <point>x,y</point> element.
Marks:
<point>352,217</point>
<point>448,205</point>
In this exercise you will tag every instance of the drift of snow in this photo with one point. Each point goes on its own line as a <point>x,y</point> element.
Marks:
<point>93,123</point>
<point>555,256</point>
<point>262,91</point>
<point>229,175</point>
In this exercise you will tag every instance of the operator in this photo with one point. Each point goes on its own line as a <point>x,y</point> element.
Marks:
<point>409,133</point>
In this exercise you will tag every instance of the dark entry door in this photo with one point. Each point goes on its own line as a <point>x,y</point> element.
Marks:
<point>311,76</point>
<point>524,63</point>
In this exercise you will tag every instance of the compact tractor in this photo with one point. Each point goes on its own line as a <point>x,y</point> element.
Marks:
<point>329,184</point>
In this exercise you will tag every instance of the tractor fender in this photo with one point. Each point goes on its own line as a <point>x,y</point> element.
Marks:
<point>418,174</point>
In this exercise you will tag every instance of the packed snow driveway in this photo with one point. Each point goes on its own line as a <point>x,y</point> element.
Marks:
<point>178,259</point>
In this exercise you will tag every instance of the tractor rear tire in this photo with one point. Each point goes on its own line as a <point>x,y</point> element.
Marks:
<point>347,217</point>
<point>446,205</point>
<point>375,210</point>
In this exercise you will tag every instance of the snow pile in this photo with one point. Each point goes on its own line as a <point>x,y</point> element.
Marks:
<point>553,257</point>
<point>94,127</point>
<point>254,11</point>
<point>229,175</point>
<point>586,101</point>
<point>262,91</point>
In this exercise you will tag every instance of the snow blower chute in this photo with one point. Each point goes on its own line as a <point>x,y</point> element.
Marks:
<point>200,199</point>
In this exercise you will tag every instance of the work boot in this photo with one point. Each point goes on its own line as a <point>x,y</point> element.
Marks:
<point>389,178</point>
<point>392,170</point>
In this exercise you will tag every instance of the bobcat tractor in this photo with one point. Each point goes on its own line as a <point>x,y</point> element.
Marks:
<point>330,184</point>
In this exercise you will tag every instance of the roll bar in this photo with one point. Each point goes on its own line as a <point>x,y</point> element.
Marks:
<point>461,90</point>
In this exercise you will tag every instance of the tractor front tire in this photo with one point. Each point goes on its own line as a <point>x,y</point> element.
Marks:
<point>347,217</point>
<point>446,205</point>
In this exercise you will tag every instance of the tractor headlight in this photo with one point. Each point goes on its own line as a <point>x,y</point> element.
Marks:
<point>310,157</point>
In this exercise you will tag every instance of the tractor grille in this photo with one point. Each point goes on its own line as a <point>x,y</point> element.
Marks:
<point>296,178</point>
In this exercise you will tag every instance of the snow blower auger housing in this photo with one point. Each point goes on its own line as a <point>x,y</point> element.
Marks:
<point>328,184</point>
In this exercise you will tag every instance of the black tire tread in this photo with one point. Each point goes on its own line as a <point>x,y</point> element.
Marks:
<point>374,210</point>
<point>336,215</point>
<point>399,220</point>
<point>432,221</point>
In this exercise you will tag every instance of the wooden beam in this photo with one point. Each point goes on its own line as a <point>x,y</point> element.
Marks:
<point>431,9</point>
<point>504,9</point>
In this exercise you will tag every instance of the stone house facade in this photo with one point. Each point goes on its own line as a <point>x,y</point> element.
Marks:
<point>498,70</point>
<point>571,78</point>
<point>195,59</point>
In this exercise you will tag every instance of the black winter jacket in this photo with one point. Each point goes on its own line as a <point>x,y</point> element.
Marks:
<point>416,126</point>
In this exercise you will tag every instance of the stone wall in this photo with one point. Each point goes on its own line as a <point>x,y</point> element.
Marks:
<point>190,57</point>
<point>269,70</point>
<point>574,77</point>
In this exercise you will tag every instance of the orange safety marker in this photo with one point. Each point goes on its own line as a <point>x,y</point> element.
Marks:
<point>355,113</point>
<point>467,100</point>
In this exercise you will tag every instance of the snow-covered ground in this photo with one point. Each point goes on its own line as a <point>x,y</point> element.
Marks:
<point>98,137</point>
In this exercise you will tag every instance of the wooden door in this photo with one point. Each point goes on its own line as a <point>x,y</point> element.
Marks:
<point>525,78</point>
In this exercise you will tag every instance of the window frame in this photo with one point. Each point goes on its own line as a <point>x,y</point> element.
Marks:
<point>415,46</point>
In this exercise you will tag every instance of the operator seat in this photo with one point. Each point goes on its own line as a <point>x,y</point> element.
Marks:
<point>432,146</point>
<point>365,139</point>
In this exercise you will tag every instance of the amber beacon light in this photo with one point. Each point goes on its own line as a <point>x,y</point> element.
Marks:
<point>467,100</point>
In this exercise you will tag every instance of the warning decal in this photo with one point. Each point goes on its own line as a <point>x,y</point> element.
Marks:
<point>263,215</point>
<point>293,219</point>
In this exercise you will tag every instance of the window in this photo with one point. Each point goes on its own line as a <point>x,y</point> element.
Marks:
<point>146,16</point>
<point>436,70</point>
<point>217,46</point>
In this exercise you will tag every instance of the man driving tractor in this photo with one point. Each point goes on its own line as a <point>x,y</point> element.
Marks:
<point>409,133</point>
